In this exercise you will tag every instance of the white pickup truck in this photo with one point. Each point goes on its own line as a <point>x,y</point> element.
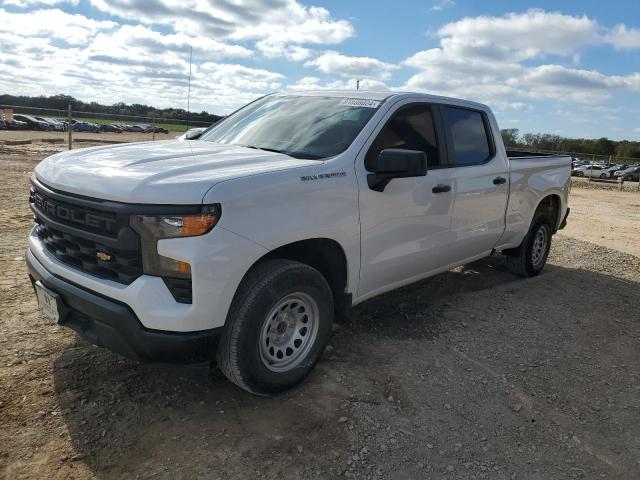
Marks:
<point>239,247</point>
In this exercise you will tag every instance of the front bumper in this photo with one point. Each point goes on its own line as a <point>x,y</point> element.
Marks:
<point>111,324</point>
<point>218,262</point>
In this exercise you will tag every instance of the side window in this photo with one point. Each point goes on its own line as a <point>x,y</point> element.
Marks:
<point>468,135</point>
<point>410,128</point>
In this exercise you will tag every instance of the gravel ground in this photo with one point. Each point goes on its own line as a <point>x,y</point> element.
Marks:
<point>471,374</point>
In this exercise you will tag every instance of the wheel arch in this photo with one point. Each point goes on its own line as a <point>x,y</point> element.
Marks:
<point>325,255</point>
<point>551,205</point>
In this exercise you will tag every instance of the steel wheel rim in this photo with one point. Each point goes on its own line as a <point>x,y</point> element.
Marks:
<point>539,247</point>
<point>289,332</point>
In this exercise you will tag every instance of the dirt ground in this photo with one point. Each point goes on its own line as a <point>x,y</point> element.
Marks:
<point>473,374</point>
<point>606,217</point>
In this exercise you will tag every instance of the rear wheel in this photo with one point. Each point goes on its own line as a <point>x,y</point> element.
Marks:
<point>603,175</point>
<point>530,257</point>
<point>277,328</point>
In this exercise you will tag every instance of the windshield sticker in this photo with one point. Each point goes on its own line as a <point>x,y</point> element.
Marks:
<point>359,102</point>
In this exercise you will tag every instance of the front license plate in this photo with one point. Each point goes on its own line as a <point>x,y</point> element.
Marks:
<point>48,303</point>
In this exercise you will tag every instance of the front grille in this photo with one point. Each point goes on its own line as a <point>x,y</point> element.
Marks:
<point>123,266</point>
<point>89,235</point>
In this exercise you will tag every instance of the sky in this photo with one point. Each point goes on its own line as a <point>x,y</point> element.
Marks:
<point>566,67</point>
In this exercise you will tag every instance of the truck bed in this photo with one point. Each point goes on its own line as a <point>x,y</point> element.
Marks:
<point>516,154</point>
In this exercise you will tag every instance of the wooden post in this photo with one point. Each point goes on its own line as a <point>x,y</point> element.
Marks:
<point>153,126</point>
<point>620,183</point>
<point>69,126</point>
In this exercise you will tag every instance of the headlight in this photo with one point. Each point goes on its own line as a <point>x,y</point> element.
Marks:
<point>172,226</point>
<point>156,227</point>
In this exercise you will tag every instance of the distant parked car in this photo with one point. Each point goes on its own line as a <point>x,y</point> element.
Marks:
<point>631,173</point>
<point>192,134</point>
<point>593,171</point>
<point>16,125</point>
<point>110,128</point>
<point>161,130</point>
<point>53,123</point>
<point>32,122</point>
<point>136,128</point>
<point>614,168</point>
<point>85,127</point>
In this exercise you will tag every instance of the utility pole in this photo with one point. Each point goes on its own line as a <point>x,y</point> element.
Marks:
<point>357,84</point>
<point>69,126</point>
<point>189,87</point>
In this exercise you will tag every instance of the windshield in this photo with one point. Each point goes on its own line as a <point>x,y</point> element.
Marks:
<point>299,126</point>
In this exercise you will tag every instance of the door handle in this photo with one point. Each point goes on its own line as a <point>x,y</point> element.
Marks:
<point>499,180</point>
<point>441,188</point>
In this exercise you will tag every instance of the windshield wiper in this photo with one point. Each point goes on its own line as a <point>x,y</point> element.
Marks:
<point>302,155</point>
<point>275,150</point>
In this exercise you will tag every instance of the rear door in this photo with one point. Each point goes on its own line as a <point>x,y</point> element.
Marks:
<point>405,231</point>
<point>481,181</point>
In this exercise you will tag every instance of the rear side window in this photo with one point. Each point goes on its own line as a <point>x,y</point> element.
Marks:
<point>410,128</point>
<point>468,136</point>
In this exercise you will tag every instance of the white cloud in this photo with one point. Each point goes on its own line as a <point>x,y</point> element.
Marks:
<point>489,59</point>
<point>528,35</point>
<point>442,5</point>
<point>73,29</point>
<point>105,62</point>
<point>31,3</point>
<point>624,38</point>
<point>155,45</point>
<point>290,52</point>
<point>335,63</point>
<point>279,27</point>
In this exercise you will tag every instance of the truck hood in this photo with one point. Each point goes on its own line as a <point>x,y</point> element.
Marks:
<point>163,172</point>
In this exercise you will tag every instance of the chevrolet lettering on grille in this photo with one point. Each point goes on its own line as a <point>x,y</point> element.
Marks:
<point>70,214</point>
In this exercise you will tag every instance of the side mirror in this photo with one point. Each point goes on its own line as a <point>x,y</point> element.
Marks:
<point>396,163</point>
<point>193,134</point>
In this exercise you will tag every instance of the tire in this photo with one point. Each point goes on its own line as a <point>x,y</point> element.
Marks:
<point>603,175</point>
<point>580,174</point>
<point>258,351</point>
<point>530,257</point>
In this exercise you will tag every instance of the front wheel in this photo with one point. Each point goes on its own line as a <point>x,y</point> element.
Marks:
<point>277,327</point>
<point>530,257</point>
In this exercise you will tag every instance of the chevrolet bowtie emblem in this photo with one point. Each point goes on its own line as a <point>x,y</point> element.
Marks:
<point>103,256</point>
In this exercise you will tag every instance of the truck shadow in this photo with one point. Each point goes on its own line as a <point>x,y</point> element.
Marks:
<point>126,419</point>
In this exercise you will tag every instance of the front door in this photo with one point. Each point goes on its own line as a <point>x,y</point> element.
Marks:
<point>405,229</point>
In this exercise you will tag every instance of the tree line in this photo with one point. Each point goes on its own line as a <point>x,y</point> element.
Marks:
<point>556,143</point>
<point>61,102</point>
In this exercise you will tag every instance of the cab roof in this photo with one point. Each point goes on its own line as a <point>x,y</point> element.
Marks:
<point>381,95</point>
